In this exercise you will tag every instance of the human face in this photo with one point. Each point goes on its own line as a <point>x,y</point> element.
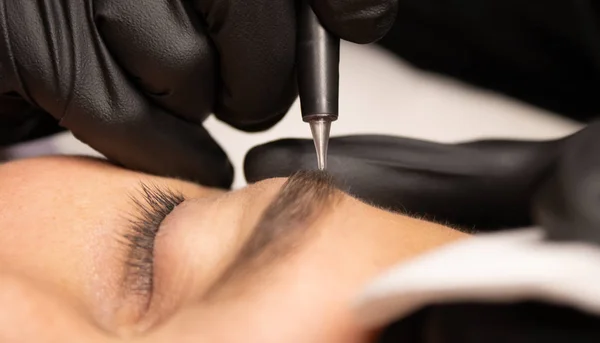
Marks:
<point>90,252</point>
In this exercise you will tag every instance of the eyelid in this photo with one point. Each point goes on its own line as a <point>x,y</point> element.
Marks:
<point>151,204</point>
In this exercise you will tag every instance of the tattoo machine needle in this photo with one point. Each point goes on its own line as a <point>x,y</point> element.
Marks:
<point>318,59</point>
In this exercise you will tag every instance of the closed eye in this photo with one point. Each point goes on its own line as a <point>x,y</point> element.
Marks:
<point>151,205</point>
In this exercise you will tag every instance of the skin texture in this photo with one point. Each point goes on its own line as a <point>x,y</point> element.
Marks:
<point>62,261</point>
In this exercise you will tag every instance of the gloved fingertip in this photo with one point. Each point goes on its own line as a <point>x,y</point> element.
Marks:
<point>251,126</point>
<point>280,158</point>
<point>362,21</point>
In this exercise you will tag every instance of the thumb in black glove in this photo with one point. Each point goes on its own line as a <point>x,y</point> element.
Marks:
<point>484,184</point>
<point>135,79</point>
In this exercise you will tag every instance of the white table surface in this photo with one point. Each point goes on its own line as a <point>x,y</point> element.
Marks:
<point>383,95</point>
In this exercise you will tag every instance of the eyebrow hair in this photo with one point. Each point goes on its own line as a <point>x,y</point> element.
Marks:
<point>282,227</point>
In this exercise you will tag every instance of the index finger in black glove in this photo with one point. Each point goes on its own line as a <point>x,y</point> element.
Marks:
<point>358,21</point>
<point>486,184</point>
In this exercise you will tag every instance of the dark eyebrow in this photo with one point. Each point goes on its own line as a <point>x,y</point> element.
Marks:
<point>282,226</point>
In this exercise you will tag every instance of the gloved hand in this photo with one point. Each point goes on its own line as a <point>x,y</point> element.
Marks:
<point>567,205</point>
<point>484,184</point>
<point>135,79</point>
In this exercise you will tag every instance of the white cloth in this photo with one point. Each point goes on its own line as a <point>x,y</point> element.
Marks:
<point>501,267</point>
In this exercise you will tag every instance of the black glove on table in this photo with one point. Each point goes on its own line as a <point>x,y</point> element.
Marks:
<point>136,79</point>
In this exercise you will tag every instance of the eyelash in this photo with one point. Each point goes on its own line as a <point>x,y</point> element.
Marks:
<point>152,204</point>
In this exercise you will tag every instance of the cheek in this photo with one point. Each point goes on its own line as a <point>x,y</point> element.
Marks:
<point>256,323</point>
<point>32,313</point>
<point>299,302</point>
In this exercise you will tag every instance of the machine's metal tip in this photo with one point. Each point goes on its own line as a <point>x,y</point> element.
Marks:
<point>320,129</point>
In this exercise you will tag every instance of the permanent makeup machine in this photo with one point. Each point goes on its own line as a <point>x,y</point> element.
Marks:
<point>318,58</point>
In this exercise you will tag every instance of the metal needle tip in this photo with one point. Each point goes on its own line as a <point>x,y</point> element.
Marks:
<point>320,129</point>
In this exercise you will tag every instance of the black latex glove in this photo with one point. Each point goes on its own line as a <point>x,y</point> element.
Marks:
<point>135,79</point>
<point>568,203</point>
<point>483,184</point>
